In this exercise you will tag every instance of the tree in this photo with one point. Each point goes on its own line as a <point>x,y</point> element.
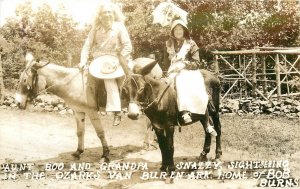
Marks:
<point>3,48</point>
<point>49,35</point>
<point>1,81</point>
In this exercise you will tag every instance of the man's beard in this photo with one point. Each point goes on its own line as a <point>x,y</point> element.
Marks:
<point>107,23</point>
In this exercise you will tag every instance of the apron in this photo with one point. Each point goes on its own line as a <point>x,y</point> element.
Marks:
<point>191,91</point>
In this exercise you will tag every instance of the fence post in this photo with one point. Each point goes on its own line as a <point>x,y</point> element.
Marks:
<point>216,64</point>
<point>264,74</point>
<point>245,75</point>
<point>241,71</point>
<point>254,81</point>
<point>277,71</point>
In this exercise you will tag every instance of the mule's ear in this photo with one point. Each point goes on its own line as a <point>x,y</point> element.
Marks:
<point>146,69</point>
<point>29,59</point>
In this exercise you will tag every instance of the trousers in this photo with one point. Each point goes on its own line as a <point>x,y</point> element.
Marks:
<point>113,100</point>
<point>95,88</point>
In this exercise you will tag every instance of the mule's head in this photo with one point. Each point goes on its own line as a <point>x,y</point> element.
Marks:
<point>138,88</point>
<point>28,83</point>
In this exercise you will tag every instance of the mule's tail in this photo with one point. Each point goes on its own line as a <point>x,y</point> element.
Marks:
<point>214,102</point>
<point>216,88</point>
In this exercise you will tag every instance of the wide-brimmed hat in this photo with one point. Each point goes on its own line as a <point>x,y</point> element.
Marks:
<point>106,67</point>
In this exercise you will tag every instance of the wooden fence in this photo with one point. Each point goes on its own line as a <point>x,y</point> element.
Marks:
<point>265,71</point>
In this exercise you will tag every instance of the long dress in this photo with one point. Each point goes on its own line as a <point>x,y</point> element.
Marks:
<point>191,91</point>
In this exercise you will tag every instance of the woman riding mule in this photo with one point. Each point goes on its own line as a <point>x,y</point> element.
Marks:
<point>158,100</point>
<point>108,36</point>
<point>182,57</point>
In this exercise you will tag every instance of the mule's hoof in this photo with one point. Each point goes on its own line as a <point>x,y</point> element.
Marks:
<point>104,160</point>
<point>202,158</point>
<point>169,180</point>
<point>218,160</point>
<point>76,154</point>
<point>150,147</point>
<point>163,168</point>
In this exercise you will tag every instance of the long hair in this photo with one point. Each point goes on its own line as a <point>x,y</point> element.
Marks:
<point>118,15</point>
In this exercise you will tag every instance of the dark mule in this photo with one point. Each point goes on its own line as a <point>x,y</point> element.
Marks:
<point>70,85</point>
<point>159,102</point>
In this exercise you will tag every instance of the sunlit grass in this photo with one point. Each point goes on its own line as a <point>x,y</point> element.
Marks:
<point>260,134</point>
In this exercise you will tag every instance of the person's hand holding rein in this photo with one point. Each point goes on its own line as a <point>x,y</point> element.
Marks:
<point>81,66</point>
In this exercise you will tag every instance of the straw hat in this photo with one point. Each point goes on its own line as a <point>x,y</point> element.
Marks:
<point>106,67</point>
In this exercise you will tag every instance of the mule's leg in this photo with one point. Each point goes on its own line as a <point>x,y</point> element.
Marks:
<point>207,142</point>
<point>80,121</point>
<point>94,117</point>
<point>218,128</point>
<point>92,103</point>
<point>170,154</point>
<point>162,145</point>
<point>170,149</point>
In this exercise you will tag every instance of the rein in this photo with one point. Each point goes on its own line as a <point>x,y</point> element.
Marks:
<point>156,100</point>
<point>159,98</point>
<point>35,80</point>
<point>56,85</point>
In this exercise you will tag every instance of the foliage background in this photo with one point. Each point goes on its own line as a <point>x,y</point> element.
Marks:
<point>214,25</point>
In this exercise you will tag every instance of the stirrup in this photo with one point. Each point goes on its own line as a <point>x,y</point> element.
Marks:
<point>210,129</point>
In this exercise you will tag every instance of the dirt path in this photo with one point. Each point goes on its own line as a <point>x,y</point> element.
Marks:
<point>41,138</point>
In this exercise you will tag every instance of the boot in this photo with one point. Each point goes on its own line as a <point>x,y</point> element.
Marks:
<point>210,128</point>
<point>117,119</point>
<point>186,116</point>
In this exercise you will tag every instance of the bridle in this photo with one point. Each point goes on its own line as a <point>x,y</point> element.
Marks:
<point>148,103</point>
<point>130,78</point>
<point>159,98</point>
<point>33,86</point>
<point>33,90</point>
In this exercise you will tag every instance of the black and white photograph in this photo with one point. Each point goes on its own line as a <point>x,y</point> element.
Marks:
<point>149,94</point>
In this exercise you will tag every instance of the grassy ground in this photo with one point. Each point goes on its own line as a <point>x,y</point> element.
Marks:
<point>251,138</point>
<point>256,134</point>
<point>243,138</point>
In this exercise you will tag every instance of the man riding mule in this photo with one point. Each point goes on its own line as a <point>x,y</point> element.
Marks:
<point>79,88</point>
<point>107,37</point>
